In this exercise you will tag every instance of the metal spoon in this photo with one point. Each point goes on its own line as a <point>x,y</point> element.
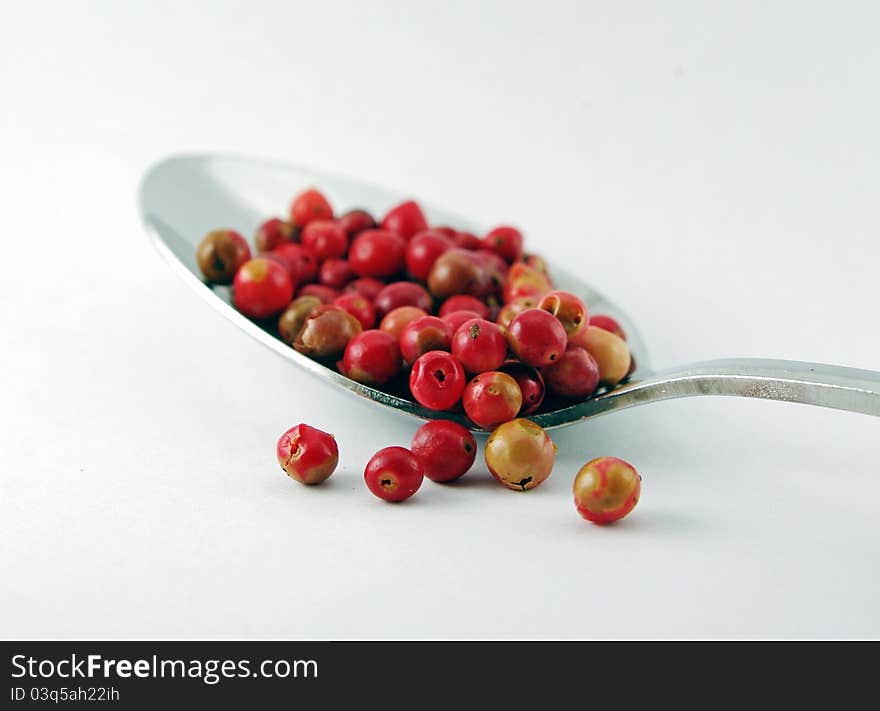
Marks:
<point>182,198</point>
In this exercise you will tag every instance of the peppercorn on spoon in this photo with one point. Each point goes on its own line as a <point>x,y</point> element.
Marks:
<point>184,197</point>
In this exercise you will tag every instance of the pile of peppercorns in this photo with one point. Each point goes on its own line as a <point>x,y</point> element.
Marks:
<point>439,315</point>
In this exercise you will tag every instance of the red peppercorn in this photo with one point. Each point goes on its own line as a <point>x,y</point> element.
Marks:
<point>537,338</point>
<point>446,450</point>
<point>606,489</point>
<point>531,384</point>
<point>326,294</point>
<point>326,332</point>
<point>520,454</point>
<point>518,305</point>
<point>220,255</point>
<point>459,271</point>
<point>402,293</point>
<point>261,288</point>
<point>456,318</point>
<point>359,307</point>
<point>294,316</point>
<point>464,302</point>
<point>521,270</point>
<point>397,319</point>
<point>366,286</point>
<point>608,323</point>
<point>354,222</point>
<point>467,240</point>
<point>437,380</point>
<point>575,375</point>
<point>308,206</point>
<point>301,263</point>
<point>393,474</point>
<point>479,345</point>
<point>495,265</point>
<point>449,232</point>
<point>521,288</point>
<point>377,253</point>
<point>611,353</point>
<point>335,273</point>
<point>423,250</point>
<point>536,261</point>
<point>424,334</point>
<point>568,308</point>
<point>272,233</point>
<point>372,358</point>
<point>491,399</point>
<point>406,220</point>
<point>523,280</point>
<point>307,454</point>
<point>506,241</point>
<point>325,239</point>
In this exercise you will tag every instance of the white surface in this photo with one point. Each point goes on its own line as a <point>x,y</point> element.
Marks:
<point>714,170</point>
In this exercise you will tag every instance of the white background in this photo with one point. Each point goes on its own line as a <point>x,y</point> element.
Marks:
<point>713,167</point>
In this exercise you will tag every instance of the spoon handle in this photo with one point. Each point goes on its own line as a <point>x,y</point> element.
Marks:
<point>786,380</point>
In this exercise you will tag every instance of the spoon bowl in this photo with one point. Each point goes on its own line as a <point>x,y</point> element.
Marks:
<point>184,197</point>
